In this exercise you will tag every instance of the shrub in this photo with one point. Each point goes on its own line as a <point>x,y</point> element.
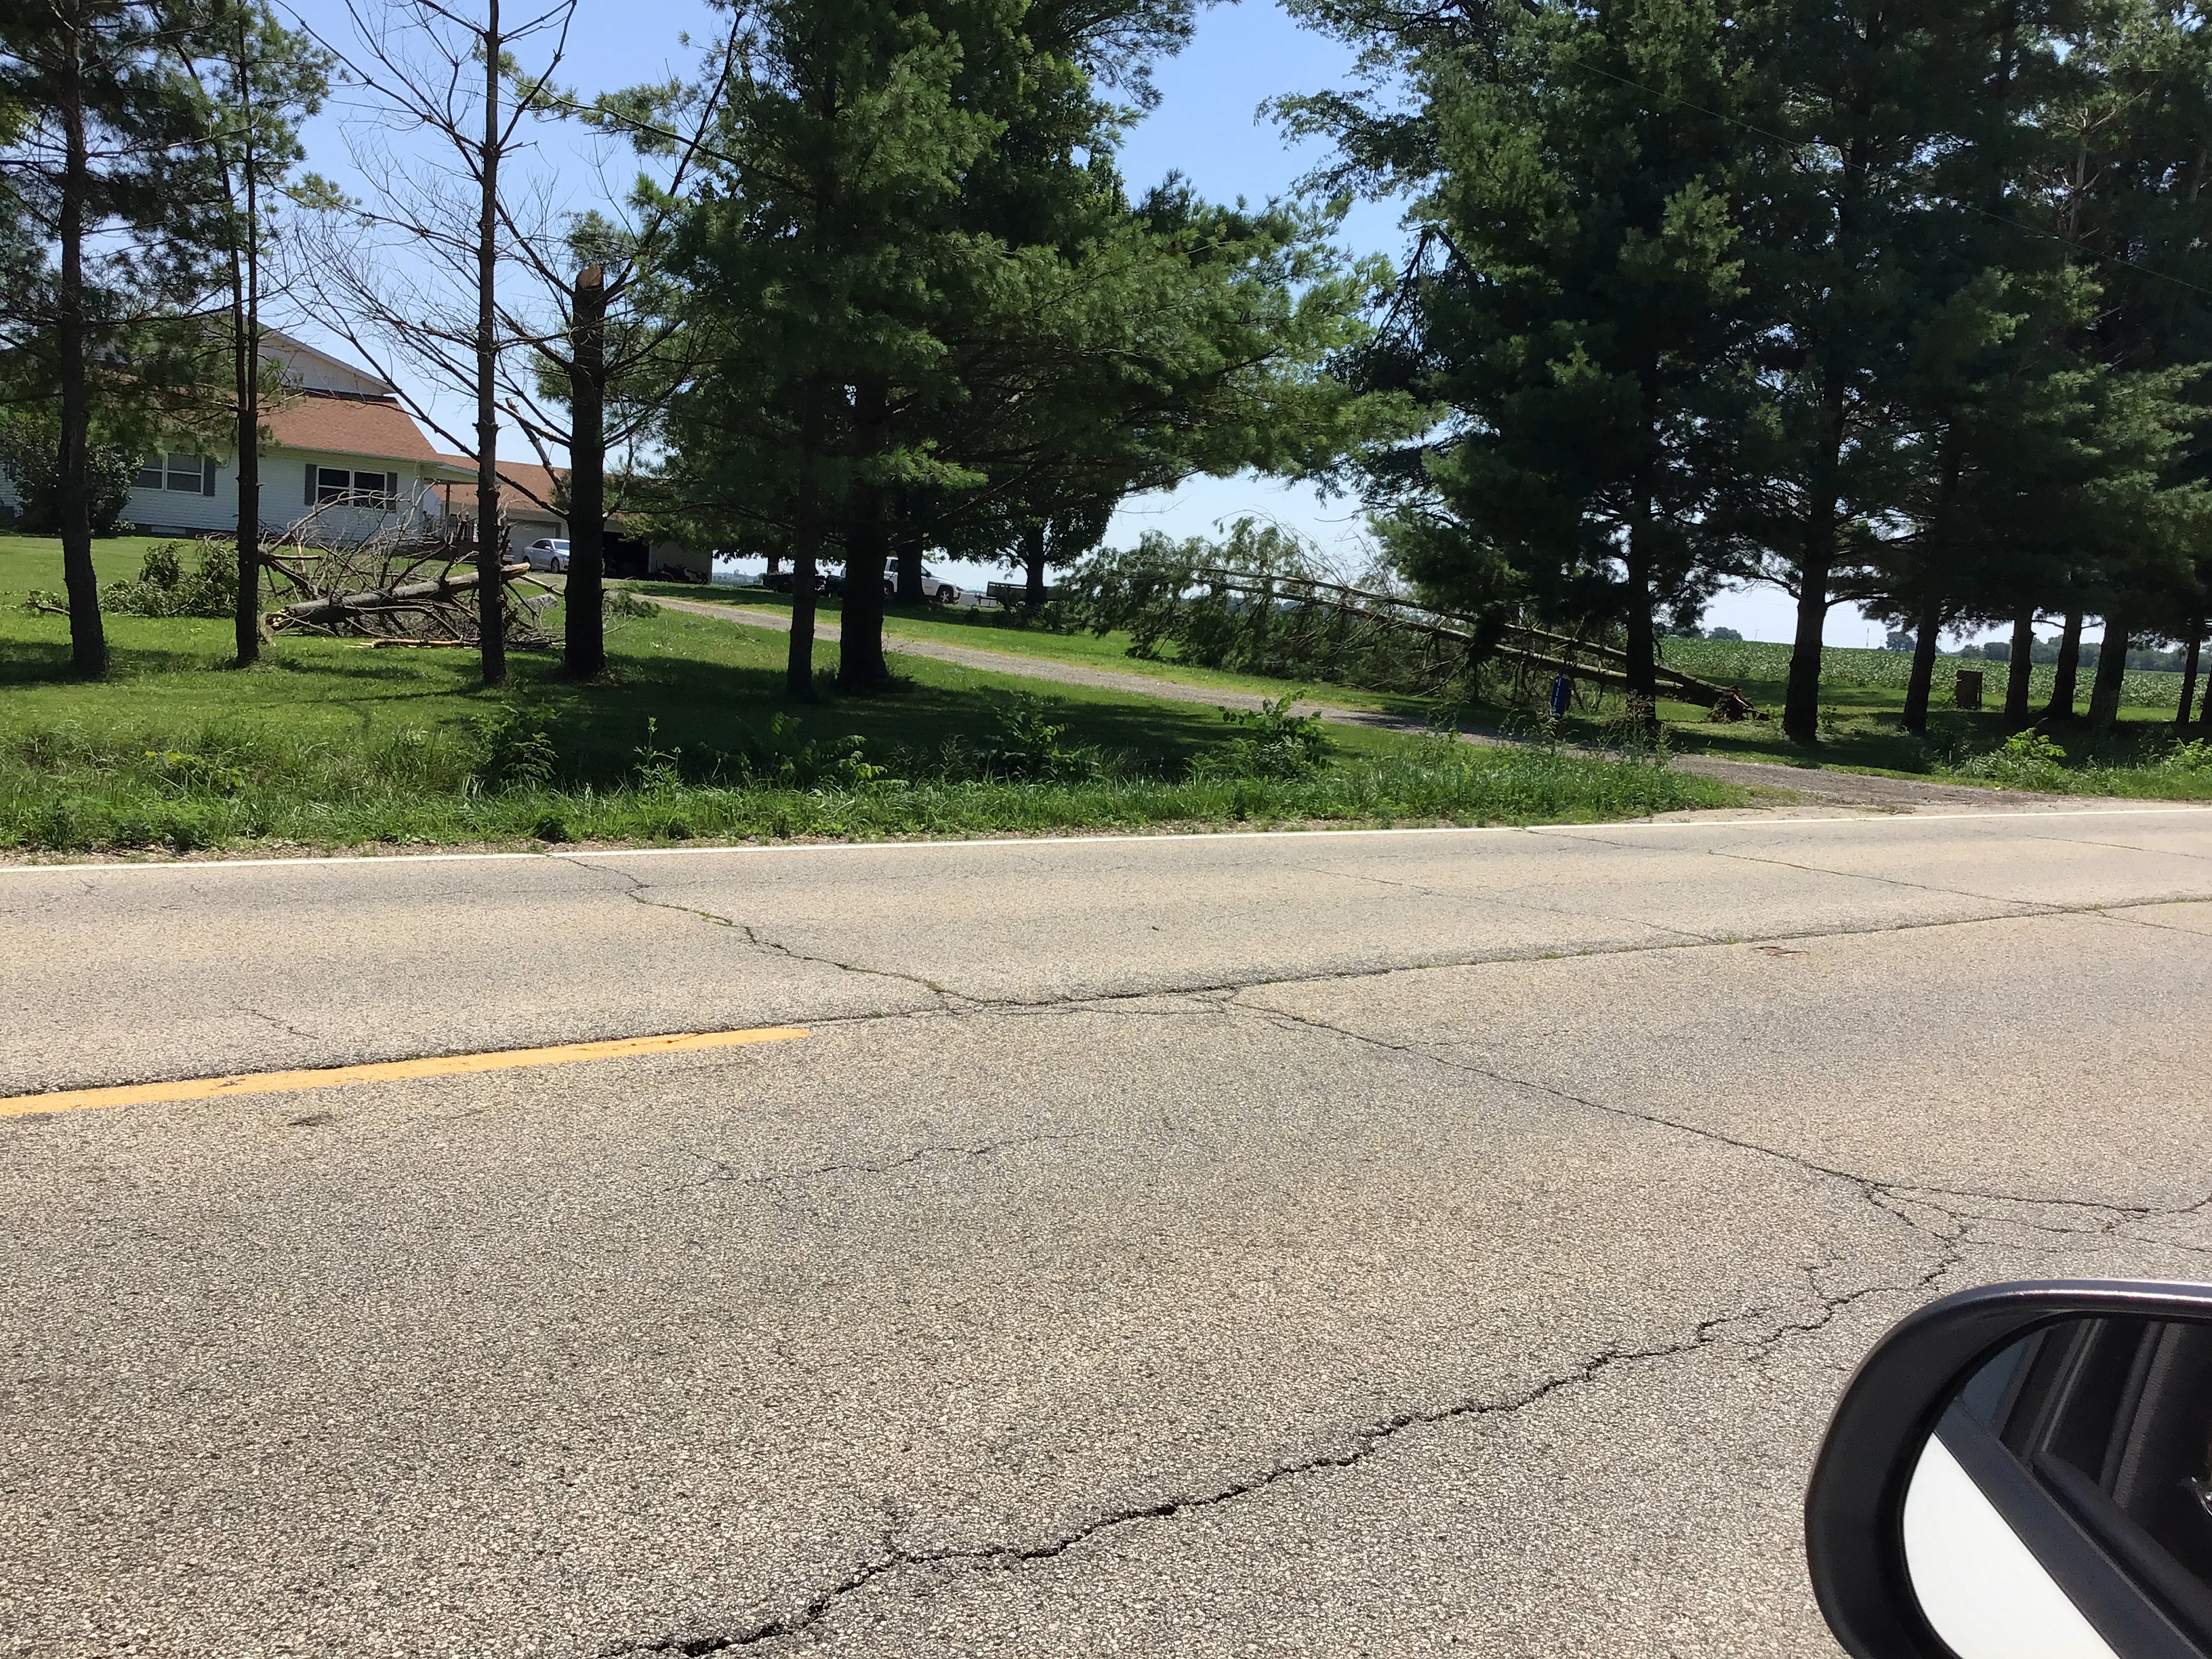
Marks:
<point>518,752</point>
<point>2028,760</point>
<point>2195,756</point>
<point>1277,745</point>
<point>779,759</point>
<point>30,455</point>
<point>1030,747</point>
<point>164,589</point>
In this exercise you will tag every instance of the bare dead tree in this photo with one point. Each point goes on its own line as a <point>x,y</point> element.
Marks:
<point>413,274</point>
<point>606,347</point>
<point>259,79</point>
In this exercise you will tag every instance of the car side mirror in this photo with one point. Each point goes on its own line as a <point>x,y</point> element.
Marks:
<point>2024,1470</point>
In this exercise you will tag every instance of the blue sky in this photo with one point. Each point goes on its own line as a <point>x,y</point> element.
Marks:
<point>1206,126</point>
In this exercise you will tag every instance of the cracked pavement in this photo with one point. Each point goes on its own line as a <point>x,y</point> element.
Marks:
<point>1302,1244</point>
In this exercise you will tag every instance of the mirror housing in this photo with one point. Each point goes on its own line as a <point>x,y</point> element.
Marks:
<point>1855,1504</point>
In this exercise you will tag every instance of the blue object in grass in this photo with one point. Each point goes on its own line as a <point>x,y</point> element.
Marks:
<point>1560,686</point>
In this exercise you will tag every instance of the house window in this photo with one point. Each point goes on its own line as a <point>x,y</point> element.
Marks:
<point>338,483</point>
<point>188,475</point>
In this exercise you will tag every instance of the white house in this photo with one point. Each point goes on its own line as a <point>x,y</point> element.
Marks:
<point>338,439</point>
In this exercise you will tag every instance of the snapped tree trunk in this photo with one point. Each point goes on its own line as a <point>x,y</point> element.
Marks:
<point>1033,564</point>
<point>491,620</point>
<point>1920,683</point>
<point>2019,671</point>
<point>2112,669</point>
<point>2188,674</point>
<point>73,493</point>
<point>585,647</point>
<point>805,542</point>
<point>860,665</point>
<point>2067,670</point>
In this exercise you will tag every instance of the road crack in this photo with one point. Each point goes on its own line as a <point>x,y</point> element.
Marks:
<point>1358,1445</point>
<point>639,889</point>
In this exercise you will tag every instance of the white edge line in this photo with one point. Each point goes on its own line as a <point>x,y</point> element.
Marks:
<point>1165,837</point>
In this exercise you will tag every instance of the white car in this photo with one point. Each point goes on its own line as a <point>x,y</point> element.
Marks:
<point>547,553</point>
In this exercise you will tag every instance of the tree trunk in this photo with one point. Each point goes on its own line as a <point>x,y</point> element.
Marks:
<point>1800,704</point>
<point>860,665</point>
<point>805,542</point>
<point>246,339</point>
<point>586,642</point>
<point>1033,563</point>
<point>2112,669</point>
<point>2019,671</point>
<point>2188,674</point>
<point>2067,670</point>
<point>1920,683</point>
<point>491,608</point>
<point>72,493</point>
<point>907,538</point>
<point>1642,668</point>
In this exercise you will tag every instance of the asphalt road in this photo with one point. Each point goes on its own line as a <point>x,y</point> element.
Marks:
<point>1331,1244</point>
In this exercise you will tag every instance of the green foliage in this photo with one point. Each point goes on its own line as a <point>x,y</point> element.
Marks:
<point>1263,622</point>
<point>29,455</point>
<point>165,588</point>
<point>780,758</point>
<point>2191,759</point>
<point>1029,744</point>
<point>519,751</point>
<point>1276,744</point>
<point>2028,760</point>
<point>188,773</point>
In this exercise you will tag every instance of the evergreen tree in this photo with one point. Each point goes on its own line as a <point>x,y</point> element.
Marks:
<point>1858,103</point>
<point>810,254</point>
<point>1580,316</point>
<point>115,233</point>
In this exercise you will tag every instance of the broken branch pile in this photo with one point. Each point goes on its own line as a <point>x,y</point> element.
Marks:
<point>413,584</point>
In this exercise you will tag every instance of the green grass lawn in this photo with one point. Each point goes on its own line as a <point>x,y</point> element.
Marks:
<point>1862,697</point>
<point>329,743</point>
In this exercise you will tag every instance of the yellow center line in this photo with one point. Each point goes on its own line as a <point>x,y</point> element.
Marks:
<point>331,1077</point>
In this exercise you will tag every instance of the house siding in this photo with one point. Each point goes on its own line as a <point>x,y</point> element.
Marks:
<point>283,498</point>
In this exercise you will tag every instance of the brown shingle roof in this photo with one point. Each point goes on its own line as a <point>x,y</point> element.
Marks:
<point>533,485</point>
<point>378,428</point>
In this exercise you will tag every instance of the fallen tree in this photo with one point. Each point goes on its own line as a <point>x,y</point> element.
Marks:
<point>413,584</point>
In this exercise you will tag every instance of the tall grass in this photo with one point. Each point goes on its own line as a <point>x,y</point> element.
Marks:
<point>225,786</point>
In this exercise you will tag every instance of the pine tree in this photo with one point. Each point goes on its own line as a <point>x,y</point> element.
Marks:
<point>1580,316</point>
<point>102,177</point>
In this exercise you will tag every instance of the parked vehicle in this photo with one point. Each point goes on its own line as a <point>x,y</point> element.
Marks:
<point>2024,1470</point>
<point>547,553</point>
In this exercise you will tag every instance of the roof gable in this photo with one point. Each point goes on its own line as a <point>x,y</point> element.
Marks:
<point>312,370</point>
